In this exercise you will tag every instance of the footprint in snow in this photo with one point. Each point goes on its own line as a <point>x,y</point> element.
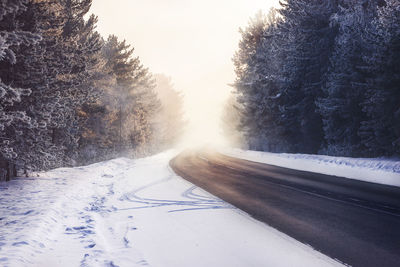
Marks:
<point>79,227</point>
<point>126,242</point>
<point>111,264</point>
<point>83,230</point>
<point>90,246</point>
<point>28,212</point>
<point>142,262</point>
<point>18,244</point>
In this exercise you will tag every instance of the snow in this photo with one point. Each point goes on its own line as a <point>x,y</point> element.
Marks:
<point>375,170</point>
<point>127,212</point>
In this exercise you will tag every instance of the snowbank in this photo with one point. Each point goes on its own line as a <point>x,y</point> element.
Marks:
<point>375,170</point>
<point>134,213</point>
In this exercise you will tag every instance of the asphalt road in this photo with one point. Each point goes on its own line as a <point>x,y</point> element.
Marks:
<point>357,223</point>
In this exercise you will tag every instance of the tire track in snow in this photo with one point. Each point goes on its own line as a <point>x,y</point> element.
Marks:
<point>193,201</point>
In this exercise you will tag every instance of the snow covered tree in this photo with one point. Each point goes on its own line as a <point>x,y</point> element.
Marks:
<point>60,70</point>
<point>346,80</point>
<point>12,119</point>
<point>169,122</point>
<point>252,82</point>
<point>79,48</point>
<point>230,123</point>
<point>131,102</point>
<point>322,76</point>
<point>380,130</point>
<point>281,65</point>
<point>309,41</point>
<point>57,76</point>
<point>34,70</point>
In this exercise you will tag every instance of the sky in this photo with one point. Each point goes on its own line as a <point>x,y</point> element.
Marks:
<point>192,41</point>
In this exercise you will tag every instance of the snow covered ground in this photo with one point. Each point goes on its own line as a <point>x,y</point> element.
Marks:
<point>134,213</point>
<point>375,170</point>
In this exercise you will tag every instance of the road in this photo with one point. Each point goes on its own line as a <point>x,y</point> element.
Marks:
<point>355,222</point>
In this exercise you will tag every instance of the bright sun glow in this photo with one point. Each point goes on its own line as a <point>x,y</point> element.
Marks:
<point>193,41</point>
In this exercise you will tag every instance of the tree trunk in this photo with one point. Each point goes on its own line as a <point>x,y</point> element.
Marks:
<point>15,170</point>
<point>10,171</point>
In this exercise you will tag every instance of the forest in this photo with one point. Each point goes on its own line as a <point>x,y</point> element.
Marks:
<point>317,77</point>
<point>69,96</point>
<point>320,77</point>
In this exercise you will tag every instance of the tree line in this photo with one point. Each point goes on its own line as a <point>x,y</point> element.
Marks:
<point>68,96</point>
<point>322,77</point>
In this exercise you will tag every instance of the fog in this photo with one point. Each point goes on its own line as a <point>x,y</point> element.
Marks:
<point>191,41</point>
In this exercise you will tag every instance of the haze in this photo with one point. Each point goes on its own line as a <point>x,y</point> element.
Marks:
<point>191,41</point>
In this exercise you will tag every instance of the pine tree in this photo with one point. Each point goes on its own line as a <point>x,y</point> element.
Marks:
<point>230,123</point>
<point>340,105</point>
<point>281,66</point>
<point>132,102</point>
<point>247,82</point>
<point>79,47</point>
<point>310,38</point>
<point>56,80</point>
<point>322,78</point>
<point>33,71</point>
<point>169,122</point>
<point>12,119</point>
<point>61,71</point>
<point>270,107</point>
<point>380,130</point>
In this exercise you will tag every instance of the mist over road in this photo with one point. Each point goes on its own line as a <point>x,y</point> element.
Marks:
<point>352,221</point>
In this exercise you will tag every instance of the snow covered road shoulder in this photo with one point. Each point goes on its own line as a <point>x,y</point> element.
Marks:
<point>134,213</point>
<point>374,170</point>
